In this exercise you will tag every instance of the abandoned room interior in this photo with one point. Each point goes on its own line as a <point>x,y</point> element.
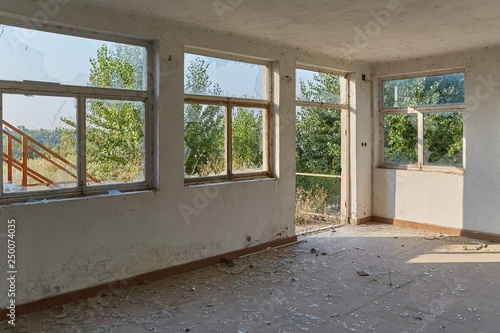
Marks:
<point>155,153</point>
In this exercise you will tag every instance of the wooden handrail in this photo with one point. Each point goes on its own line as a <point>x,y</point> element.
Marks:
<point>32,173</point>
<point>317,175</point>
<point>13,138</point>
<point>57,160</point>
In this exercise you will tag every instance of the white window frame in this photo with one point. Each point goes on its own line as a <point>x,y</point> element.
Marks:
<point>419,111</point>
<point>81,94</point>
<point>229,103</point>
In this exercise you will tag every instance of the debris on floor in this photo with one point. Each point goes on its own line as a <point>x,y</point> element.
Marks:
<point>359,279</point>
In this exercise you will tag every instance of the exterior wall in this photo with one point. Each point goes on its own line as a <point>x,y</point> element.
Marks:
<point>71,244</point>
<point>467,201</point>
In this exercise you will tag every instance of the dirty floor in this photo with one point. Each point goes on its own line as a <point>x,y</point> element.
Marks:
<point>371,278</point>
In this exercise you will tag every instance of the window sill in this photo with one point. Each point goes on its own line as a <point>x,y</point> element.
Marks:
<point>435,169</point>
<point>57,197</point>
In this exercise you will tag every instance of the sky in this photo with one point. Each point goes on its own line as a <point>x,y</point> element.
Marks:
<point>236,79</point>
<point>42,56</point>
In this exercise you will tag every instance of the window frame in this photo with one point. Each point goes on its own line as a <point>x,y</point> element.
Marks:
<point>420,111</point>
<point>81,95</point>
<point>229,103</point>
<point>342,107</point>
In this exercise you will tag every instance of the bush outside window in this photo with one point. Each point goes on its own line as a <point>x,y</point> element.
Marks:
<point>422,120</point>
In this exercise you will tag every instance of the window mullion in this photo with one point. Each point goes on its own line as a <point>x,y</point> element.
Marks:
<point>81,150</point>
<point>420,141</point>
<point>229,139</point>
<point>1,149</point>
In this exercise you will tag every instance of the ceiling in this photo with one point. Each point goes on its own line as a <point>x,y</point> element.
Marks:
<point>359,30</point>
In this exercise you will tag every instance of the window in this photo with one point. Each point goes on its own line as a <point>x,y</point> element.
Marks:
<point>75,114</point>
<point>226,119</point>
<point>422,121</point>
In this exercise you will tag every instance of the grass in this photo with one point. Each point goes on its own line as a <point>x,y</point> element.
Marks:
<point>317,200</point>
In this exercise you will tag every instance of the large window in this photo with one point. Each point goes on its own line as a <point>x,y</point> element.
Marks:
<point>422,121</point>
<point>75,114</point>
<point>226,119</point>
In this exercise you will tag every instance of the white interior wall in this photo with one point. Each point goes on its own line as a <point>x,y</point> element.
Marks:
<point>467,201</point>
<point>361,145</point>
<point>67,245</point>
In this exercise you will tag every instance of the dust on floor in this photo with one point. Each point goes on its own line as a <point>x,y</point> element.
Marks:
<point>372,278</point>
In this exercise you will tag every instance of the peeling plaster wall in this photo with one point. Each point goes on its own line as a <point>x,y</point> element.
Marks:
<point>469,201</point>
<point>67,245</point>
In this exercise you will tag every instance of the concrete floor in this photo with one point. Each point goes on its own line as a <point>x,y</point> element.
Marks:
<point>373,278</point>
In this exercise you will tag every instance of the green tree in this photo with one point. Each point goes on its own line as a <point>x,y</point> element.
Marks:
<point>247,139</point>
<point>318,145</point>
<point>442,131</point>
<point>114,129</point>
<point>204,129</point>
<point>318,139</point>
<point>443,134</point>
<point>203,125</point>
<point>400,133</point>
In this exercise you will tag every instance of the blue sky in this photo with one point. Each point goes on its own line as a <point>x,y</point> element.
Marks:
<point>41,56</point>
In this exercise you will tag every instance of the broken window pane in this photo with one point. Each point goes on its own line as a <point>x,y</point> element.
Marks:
<point>247,140</point>
<point>427,90</point>
<point>204,140</point>
<point>400,138</point>
<point>29,55</point>
<point>115,148</point>
<point>221,77</point>
<point>39,142</point>
<point>317,87</point>
<point>443,143</point>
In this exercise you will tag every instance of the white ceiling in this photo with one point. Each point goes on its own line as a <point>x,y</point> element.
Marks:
<point>332,27</point>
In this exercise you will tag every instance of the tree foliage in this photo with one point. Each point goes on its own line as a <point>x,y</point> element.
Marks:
<point>400,133</point>
<point>442,130</point>
<point>114,129</point>
<point>204,129</point>
<point>318,139</point>
<point>318,145</point>
<point>247,139</point>
<point>203,125</point>
<point>427,90</point>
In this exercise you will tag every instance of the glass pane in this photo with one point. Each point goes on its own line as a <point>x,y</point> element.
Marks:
<point>427,90</point>
<point>115,141</point>
<point>41,56</point>
<point>221,77</point>
<point>318,140</point>
<point>247,140</point>
<point>204,140</point>
<point>317,87</point>
<point>400,139</point>
<point>39,143</point>
<point>443,144</point>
